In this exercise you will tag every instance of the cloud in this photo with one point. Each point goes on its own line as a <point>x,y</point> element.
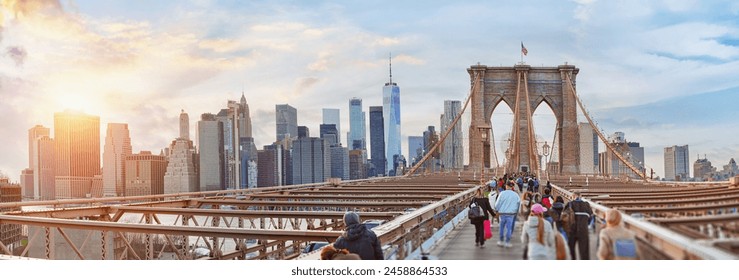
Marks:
<point>17,54</point>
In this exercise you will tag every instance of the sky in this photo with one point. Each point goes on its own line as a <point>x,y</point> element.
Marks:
<point>662,72</point>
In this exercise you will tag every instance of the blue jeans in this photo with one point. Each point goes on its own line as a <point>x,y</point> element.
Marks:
<point>507,222</point>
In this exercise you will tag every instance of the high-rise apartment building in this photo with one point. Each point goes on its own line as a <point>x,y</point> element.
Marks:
<point>357,126</point>
<point>677,163</point>
<point>286,118</point>
<point>77,153</point>
<point>391,119</point>
<point>212,158</point>
<point>377,141</point>
<point>452,151</point>
<point>145,174</point>
<point>588,149</point>
<point>117,148</point>
<point>333,116</point>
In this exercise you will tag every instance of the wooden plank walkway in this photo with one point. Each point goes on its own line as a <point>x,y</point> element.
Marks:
<point>460,245</point>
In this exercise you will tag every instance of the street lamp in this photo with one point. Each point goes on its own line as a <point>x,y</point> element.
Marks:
<point>545,149</point>
<point>484,137</point>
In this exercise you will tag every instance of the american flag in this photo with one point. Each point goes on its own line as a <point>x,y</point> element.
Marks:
<point>524,50</point>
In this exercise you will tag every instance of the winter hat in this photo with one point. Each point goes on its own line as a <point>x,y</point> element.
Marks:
<point>351,218</point>
<point>538,209</point>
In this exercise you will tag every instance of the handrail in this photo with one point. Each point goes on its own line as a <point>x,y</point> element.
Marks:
<point>674,245</point>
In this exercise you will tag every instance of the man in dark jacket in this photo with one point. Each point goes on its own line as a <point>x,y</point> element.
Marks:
<point>358,239</point>
<point>579,231</point>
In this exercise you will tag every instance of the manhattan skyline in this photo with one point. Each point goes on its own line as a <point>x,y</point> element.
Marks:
<point>662,72</point>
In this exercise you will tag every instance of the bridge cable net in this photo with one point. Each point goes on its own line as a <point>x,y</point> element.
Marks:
<point>602,137</point>
<point>448,130</point>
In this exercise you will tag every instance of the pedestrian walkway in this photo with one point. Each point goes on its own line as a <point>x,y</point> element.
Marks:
<point>460,245</point>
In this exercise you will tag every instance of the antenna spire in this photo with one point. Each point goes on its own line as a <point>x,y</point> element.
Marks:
<point>391,68</point>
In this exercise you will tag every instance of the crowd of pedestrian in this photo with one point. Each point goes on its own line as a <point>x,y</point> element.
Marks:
<point>551,230</point>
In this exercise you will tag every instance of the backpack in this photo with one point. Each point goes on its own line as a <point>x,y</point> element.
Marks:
<point>475,211</point>
<point>567,218</point>
<point>624,249</point>
<point>546,201</point>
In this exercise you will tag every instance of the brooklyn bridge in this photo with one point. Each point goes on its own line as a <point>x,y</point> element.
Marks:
<point>419,214</point>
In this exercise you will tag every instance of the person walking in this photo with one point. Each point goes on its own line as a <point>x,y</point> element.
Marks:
<point>358,239</point>
<point>484,207</point>
<point>507,208</point>
<point>556,213</point>
<point>538,236</point>
<point>617,242</point>
<point>578,235</point>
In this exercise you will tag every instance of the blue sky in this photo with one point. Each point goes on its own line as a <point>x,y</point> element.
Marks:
<point>663,72</point>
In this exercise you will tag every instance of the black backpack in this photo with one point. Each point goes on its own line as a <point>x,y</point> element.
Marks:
<point>475,210</point>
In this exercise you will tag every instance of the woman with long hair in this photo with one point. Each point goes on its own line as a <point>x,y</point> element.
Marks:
<point>484,206</point>
<point>538,235</point>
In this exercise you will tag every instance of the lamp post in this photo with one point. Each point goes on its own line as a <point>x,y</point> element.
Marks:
<point>545,149</point>
<point>484,137</point>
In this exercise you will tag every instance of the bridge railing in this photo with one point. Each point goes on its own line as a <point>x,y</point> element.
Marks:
<point>405,234</point>
<point>665,241</point>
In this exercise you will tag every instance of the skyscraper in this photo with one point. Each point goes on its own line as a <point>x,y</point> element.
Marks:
<point>271,164</point>
<point>357,128</point>
<point>703,169</point>
<point>677,163</point>
<point>44,176</point>
<point>236,121</point>
<point>181,175</point>
<point>184,125</point>
<point>588,149</point>
<point>248,154</point>
<point>311,160</point>
<point>287,121</point>
<point>452,153</point>
<point>145,174</point>
<point>356,165</point>
<point>212,157</point>
<point>339,162</point>
<point>391,118</point>
<point>415,148</point>
<point>33,134</point>
<point>77,153</point>
<point>377,141</point>
<point>610,165</point>
<point>333,116</point>
<point>244,118</point>
<point>117,148</point>
<point>330,134</point>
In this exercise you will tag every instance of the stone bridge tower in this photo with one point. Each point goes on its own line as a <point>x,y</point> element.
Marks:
<point>523,88</point>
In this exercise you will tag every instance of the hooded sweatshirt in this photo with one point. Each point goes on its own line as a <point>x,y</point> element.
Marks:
<point>536,250</point>
<point>359,240</point>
